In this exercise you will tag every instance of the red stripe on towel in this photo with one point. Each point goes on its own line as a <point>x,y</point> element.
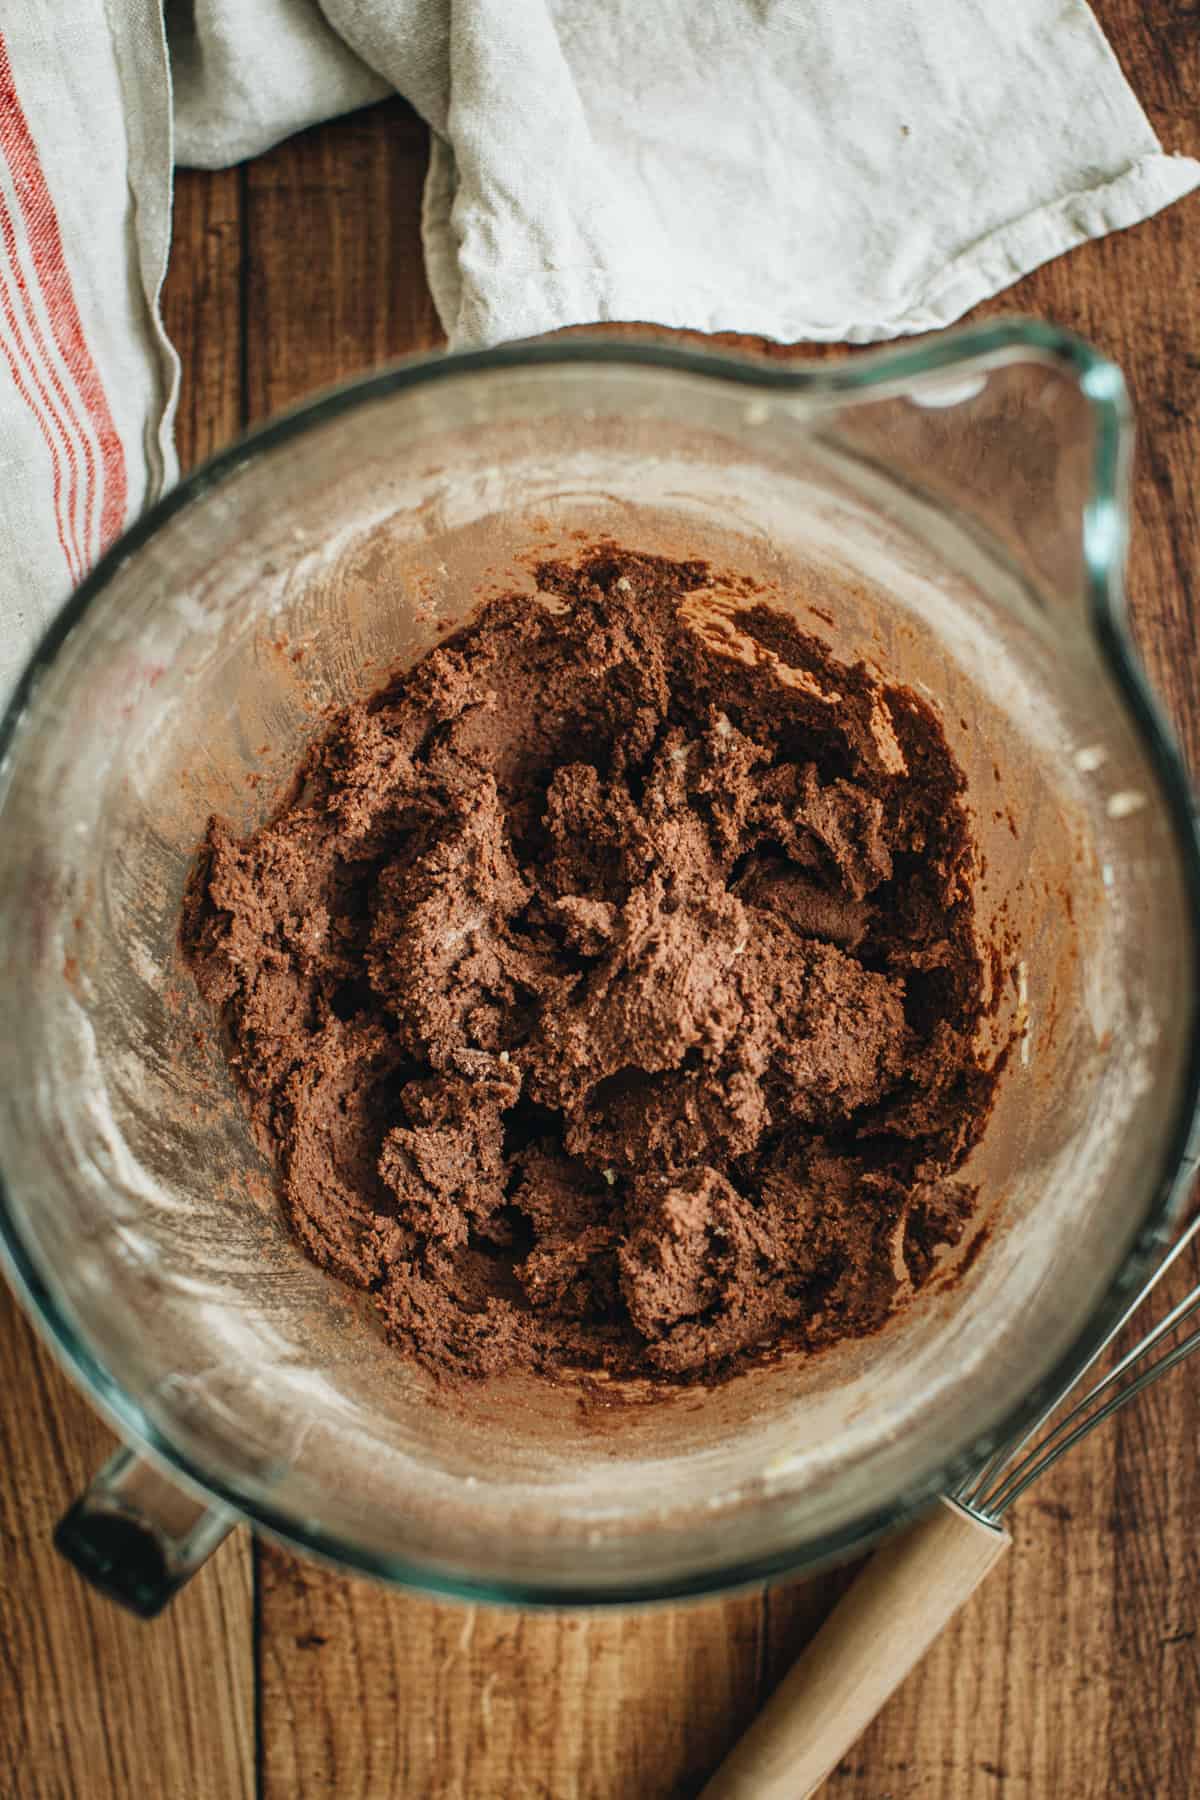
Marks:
<point>54,281</point>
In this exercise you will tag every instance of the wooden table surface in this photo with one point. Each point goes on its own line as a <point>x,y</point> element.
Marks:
<point>1075,1671</point>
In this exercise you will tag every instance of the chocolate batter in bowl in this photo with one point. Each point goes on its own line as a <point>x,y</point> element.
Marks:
<point>606,990</point>
<point>906,532</point>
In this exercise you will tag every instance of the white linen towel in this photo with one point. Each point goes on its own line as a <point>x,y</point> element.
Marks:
<point>804,169</point>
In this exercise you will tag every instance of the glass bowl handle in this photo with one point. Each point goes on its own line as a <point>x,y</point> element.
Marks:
<point>137,1536</point>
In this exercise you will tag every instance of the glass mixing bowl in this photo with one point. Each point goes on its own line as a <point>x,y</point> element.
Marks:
<point>953,512</point>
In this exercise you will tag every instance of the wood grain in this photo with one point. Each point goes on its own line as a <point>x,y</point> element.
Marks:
<point>202,310</point>
<point>346,199</point>
<point>368,1693</point>
<point>901,1601</point>
<point>94,1704</point>
<point>1074,1674</point>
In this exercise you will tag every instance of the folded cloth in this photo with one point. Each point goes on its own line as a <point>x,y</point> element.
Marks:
<point>844,170</point>
<point>804,169</point>
<point>87,377</point>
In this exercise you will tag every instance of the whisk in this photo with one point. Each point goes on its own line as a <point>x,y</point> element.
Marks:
<point>912,1587</point>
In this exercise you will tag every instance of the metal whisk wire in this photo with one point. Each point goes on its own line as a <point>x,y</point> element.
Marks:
<point>993,1487</point>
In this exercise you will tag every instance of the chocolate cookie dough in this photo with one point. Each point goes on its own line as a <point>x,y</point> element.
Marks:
<point>606,989</point>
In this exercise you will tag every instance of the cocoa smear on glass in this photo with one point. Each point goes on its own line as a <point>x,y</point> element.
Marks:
<point>606,990</point>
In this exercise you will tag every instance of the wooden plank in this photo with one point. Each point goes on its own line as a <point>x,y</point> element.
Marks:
<point>372,1695</point>
<point>202,310</point>
<point>347,199</point>
<point>95,1702</point>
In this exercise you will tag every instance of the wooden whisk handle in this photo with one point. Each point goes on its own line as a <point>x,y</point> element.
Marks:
<point>906,1595</point>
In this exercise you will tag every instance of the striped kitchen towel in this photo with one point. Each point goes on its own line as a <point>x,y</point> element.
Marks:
<point>798,168</point>
<point>87,377</point>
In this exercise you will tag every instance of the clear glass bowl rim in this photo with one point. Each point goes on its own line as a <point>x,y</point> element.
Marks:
<point>877,374</point>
